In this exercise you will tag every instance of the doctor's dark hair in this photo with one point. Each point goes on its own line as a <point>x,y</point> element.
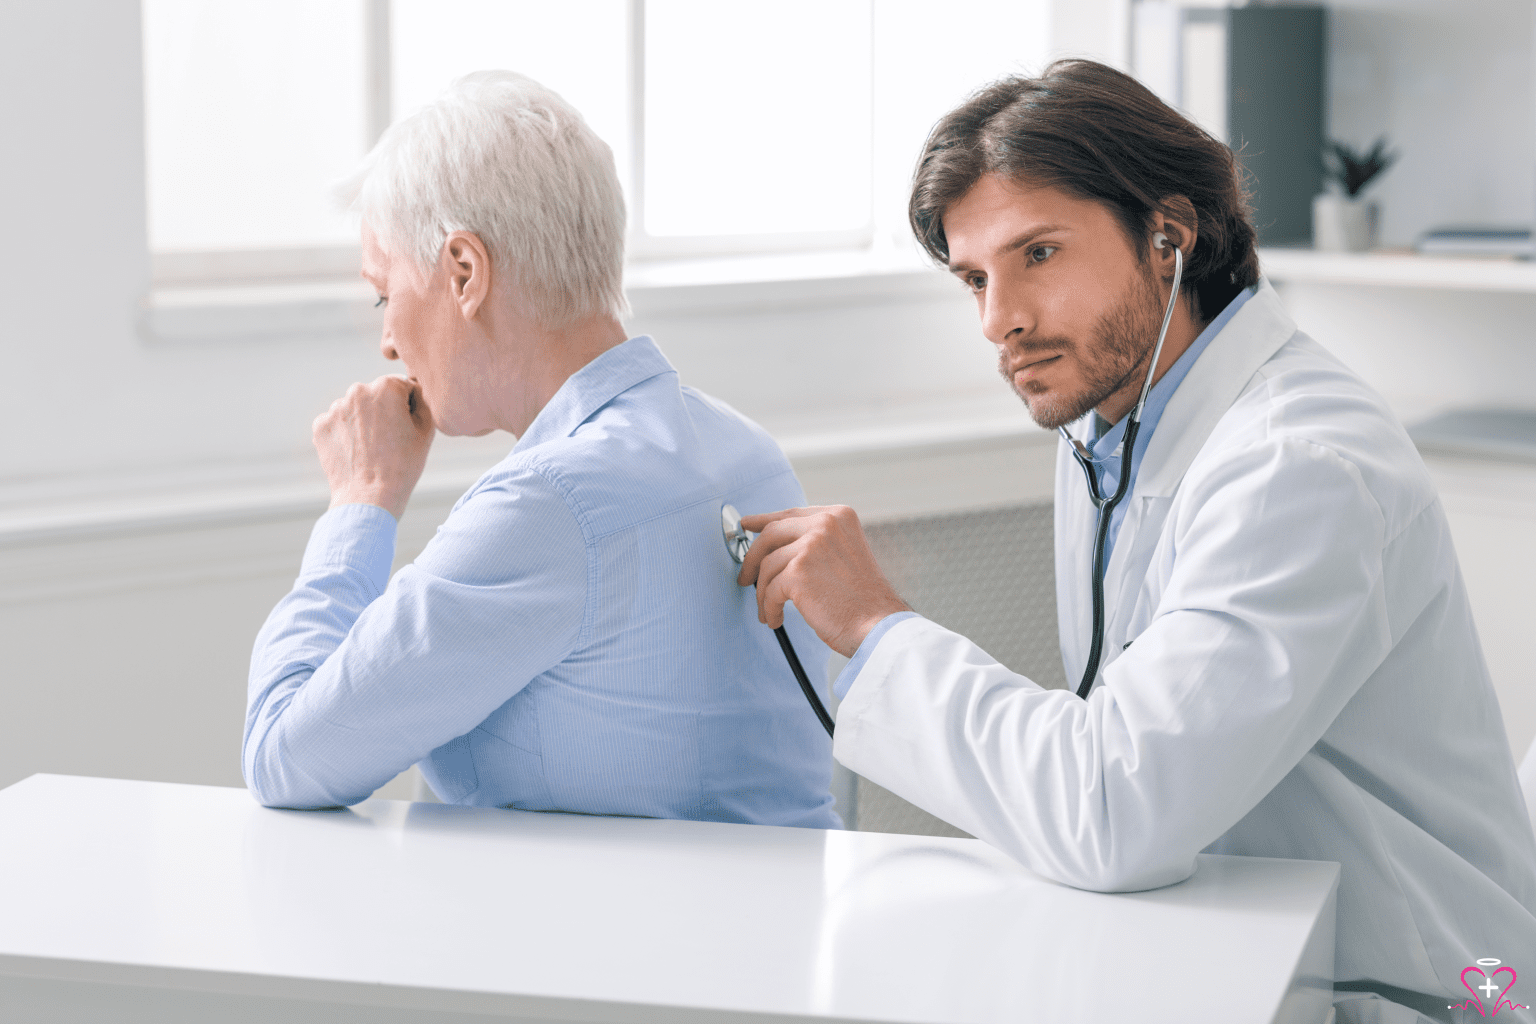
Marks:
<point>1097,134</point>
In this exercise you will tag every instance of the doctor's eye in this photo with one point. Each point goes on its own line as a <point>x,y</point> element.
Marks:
<point>381,302</point>
<point>1041,253</point>
<point>975,282</point>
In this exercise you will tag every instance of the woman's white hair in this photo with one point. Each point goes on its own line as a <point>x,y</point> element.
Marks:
<point>503,157</point>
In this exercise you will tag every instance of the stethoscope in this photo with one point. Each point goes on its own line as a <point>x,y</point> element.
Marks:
<point>737,541</point>
<point>1106,506</point>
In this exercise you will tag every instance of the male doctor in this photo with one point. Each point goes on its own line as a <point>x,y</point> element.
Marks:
<point>1289,665</point>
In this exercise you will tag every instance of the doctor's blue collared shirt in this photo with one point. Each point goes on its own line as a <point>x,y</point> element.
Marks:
<point>1106,456</point>
<point>573,638</point>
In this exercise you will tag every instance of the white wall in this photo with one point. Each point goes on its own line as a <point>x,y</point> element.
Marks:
<point>97,397</point>
<point>1427,350</point>
<point>1096,29</point>
<point>125,646</point>
<point>144,472</point>
<point>1496,542</point>
<point>1450,84</point>
<point>92,395</point>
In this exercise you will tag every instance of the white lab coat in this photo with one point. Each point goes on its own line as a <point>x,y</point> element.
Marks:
<point>1290,670</point>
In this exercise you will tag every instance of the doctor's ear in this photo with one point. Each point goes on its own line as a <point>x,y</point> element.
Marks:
<point>1172,227</point>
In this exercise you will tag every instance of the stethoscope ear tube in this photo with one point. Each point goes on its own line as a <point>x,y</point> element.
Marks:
<point>1106,506</point>
<point>737,541</point>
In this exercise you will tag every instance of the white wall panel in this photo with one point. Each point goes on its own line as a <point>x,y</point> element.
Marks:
<point>1450,84</point>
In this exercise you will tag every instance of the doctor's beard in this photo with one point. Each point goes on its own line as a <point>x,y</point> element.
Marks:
<point>1119,345</point>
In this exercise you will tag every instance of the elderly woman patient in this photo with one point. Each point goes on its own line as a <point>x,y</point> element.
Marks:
<point>573,637</point>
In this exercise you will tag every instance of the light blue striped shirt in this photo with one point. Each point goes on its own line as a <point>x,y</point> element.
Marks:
<point>573,637</point>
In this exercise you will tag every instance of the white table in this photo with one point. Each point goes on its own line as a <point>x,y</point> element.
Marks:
<point>137,901</point>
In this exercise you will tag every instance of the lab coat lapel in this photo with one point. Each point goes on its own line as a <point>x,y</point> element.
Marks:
<point>1218,377</point>
<point>1216,380</point>
<point>1125,576</point>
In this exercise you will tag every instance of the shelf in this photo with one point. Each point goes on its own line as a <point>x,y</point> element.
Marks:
<point>1398,270</point>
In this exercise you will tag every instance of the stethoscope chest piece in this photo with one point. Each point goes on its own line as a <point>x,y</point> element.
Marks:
<point>737,541</point>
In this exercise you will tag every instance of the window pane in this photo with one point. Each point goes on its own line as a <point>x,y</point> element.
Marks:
<point>252,111</point>
<point>756,117</point>
<point>579,48</point>
<point>928,59</point>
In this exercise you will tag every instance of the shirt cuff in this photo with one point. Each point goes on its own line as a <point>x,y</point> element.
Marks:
<point>359,537</point>
<point>851,670</point>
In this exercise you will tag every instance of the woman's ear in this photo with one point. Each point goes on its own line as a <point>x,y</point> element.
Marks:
<point>468,265</point>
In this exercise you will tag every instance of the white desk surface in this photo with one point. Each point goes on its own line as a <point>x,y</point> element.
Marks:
<point>197,897</point>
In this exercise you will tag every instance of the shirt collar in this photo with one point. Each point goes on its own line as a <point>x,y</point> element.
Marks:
<point>1157,399</point>
<point>594,386</point>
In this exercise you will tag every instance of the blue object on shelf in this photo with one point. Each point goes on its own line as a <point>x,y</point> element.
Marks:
<point>1474,240</point>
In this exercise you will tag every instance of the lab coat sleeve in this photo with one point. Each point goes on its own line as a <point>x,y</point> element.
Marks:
<point>1272,615</point>
<point>355,676</point>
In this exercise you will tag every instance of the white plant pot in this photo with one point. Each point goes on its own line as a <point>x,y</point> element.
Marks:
<point>1342,224</point>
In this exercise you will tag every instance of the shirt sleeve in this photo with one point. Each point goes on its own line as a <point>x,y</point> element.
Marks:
<point>1266,627</point>
<point>356,677</point>
<point>860,658</point>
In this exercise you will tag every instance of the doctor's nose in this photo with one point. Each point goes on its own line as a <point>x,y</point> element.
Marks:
<point>1005,323</point>
<point>387,347</point>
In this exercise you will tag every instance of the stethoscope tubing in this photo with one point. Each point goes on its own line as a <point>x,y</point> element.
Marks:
<point>737,541</point>
<point>804,680</point>
<point>1100,538</point>
<point>1106,506</point>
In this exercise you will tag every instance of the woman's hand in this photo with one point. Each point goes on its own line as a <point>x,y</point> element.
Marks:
<point>820,559</point>
<point>373,443</point>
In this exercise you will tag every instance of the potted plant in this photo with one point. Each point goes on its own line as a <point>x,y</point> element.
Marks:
<point>1341,220</point>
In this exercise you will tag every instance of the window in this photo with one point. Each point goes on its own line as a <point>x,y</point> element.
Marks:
<point>756,121</point>
<point>736,127</point>
<point>431,44</point>
<point>246,122</point>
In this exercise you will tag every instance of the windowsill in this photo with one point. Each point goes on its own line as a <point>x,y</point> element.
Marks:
<point>879,426</point>
<point>344,308</point>
<point>197,314</point>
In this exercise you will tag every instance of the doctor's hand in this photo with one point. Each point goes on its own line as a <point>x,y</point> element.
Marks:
<point>373,443</point>
<point>818,558</point>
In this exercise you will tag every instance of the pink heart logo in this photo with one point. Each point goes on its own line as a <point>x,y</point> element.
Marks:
<point>1488,986</point>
